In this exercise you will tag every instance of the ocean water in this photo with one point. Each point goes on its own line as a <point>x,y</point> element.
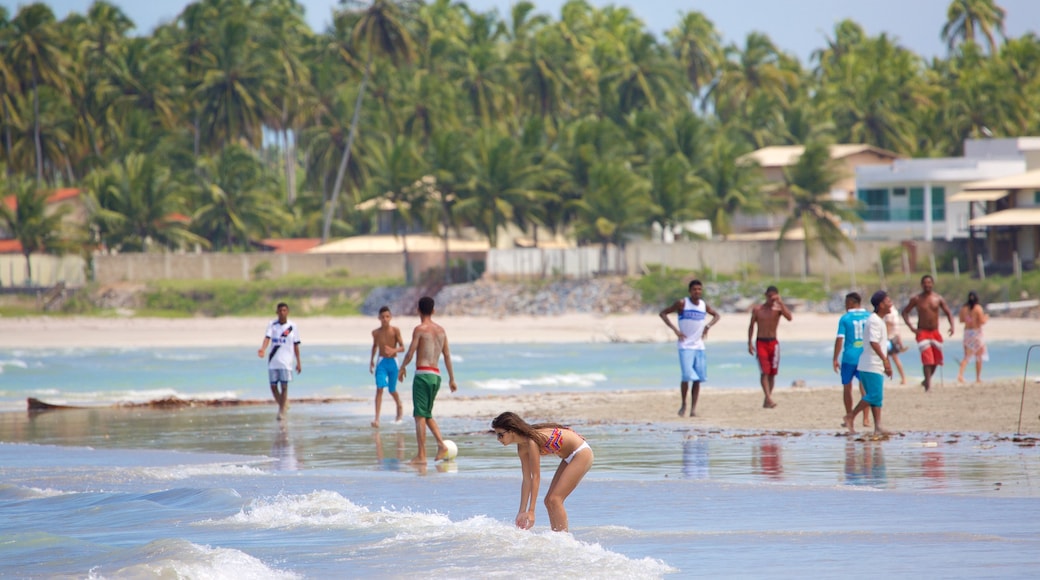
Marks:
<point>100,376</point>
<point>231,493</point>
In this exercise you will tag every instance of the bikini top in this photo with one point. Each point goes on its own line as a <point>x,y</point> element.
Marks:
<point>554,442</point>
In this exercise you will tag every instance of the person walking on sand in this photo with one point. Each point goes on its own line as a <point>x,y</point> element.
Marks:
<point>873,365</point>
<point>387,342</point>
<point>895,344</point>
<point>929,339</point>
<point>766,348</point>
<point>283,337</point>
<point>848,346</point>
<point>532,442</point>
<point>429,342</point>
<point>691,331</point>
<point>972,316</point>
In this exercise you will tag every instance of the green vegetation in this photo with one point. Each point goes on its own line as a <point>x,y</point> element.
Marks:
<point>236,122</point>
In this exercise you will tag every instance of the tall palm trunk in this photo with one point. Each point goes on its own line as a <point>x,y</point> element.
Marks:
<point>341,172</point>
<point>36,126</point>
<point>7,138</point>
<point>447,253</point>
<point>28,269</point>
<point>290,167</point>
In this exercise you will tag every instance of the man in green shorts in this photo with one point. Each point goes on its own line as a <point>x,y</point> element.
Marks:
<point>429,341</point>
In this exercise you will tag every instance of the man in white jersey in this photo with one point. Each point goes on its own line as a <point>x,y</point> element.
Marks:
<point>691,332</point>
<point>284,339</point>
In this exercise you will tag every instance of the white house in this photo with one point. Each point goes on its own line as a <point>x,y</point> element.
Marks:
<point>893,199</point>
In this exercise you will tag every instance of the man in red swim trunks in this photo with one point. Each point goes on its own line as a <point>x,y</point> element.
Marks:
<point>766,348</point>
<point>929,339</point>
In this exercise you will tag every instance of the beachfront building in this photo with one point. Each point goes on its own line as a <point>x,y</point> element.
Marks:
<point>1010,220</point>
<point>775,160</point>
<point>920,199</point>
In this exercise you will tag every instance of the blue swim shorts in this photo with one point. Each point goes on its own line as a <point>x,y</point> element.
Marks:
<point>694,365</point>
<point>848,372</point>
<point>386,374</point>
<point>874,387</point>
<point>279,376</point>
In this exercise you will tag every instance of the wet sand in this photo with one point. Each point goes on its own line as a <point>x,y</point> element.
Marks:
<point>990,407</point>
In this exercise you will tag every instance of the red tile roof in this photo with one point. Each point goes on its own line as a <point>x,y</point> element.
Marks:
<point>291,245</point>
<point>58,195</point>
<point>10,247</point>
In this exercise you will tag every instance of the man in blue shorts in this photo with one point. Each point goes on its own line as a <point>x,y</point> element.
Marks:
<point>848,347</point>
<point>693,328</point>
<point>386,342</point>
<point>873,365</point>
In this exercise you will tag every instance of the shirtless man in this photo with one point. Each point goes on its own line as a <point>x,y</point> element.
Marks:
<point>429,341</point>
<point>386,340</point>
<point>929,339</point>
<point>766,348</point>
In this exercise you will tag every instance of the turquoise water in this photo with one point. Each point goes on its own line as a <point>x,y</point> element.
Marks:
<point>231,493</point>
<point>105,376</point>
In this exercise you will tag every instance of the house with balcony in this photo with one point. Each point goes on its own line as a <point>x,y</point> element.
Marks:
<point>1009,223</point>
<point>918,199</point>
<point>775,160</point>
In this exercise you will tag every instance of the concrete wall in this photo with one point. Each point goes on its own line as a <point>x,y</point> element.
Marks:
<point>46,270</point>
<point>583,262</point>
<point>726,257</point>
<point>145,267</point>
<point>723,257</point>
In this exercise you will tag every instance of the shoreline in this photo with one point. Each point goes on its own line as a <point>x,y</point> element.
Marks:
<point>85,332</point>
<point>991,407</point>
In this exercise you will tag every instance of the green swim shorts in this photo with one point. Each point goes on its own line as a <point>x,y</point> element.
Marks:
<point>424,391</point>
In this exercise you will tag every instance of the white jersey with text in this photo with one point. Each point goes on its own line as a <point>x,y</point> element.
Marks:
<point>692,318</point>
<point>283,336</point>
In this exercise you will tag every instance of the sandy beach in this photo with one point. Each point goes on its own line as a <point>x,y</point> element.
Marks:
<point>991,407</point>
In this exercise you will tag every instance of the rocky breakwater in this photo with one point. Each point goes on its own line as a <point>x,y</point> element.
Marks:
<point>501,299</point>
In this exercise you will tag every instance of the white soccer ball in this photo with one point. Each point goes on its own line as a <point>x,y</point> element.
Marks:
<point>453,449</point>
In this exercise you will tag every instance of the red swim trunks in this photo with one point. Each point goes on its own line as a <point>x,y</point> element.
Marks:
<point>768,355</point>
<point>930,343</point>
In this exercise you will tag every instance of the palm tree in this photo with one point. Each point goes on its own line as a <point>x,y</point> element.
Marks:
<point>809,182</point>
<point>234,93</point>
<point>134,203</point>
<point>35,49</point>
<point>285,34</point>
<point>393,175</point>
<point>502,188</point>
<point>757,69</point>
<point>871,92</point>
<point>732,184</point>
<point>965,19</point>
<point>445,163</point>
<point>25,215</point>
<point>616,206</point>
<point>698,46</point>
<point>674,190</point>
<point>381,30</point>
<point>238,200</point>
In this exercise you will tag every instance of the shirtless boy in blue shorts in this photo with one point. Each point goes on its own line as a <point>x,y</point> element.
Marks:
<point>387,342</point>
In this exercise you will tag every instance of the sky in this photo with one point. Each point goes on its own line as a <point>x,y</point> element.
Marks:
<point>796,26</point>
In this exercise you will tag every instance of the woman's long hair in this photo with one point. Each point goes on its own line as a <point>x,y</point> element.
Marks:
<point>512,422</point>
<point>973,300</point>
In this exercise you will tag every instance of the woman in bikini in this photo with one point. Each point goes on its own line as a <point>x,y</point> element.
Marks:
<point>973,317</point>
<point>532,442</point>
